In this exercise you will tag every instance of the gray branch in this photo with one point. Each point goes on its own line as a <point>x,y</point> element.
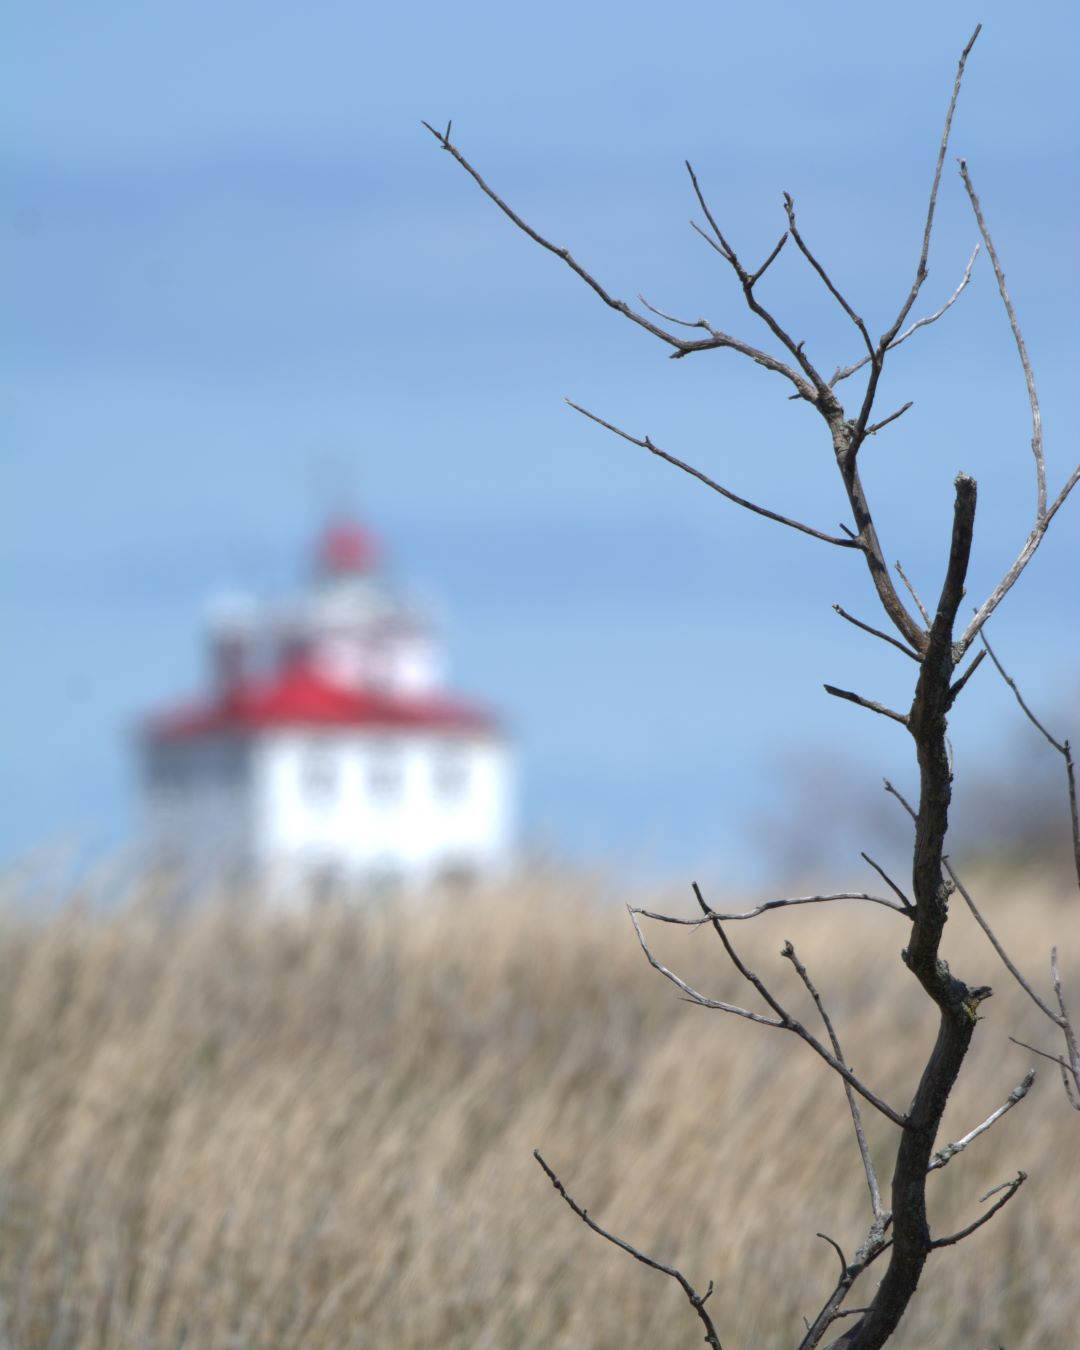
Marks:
<point>1021,346</point>
<point>946,1154</point>
<point>697,1301</point>
<point>646,444</point>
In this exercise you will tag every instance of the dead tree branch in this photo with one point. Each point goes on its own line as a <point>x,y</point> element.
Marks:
<point>767,905</point>
<point>867,703</point>
<point>646,444</point>
<point>1021,346</point>
<point>946,1154</point>
<point>846,371</point>
<point>1063,748</point>
<point>1009,1187</point>
<point>876,632</point>
<point>697,1301</point>
<point>789,952</point>
<point>783,1020</point>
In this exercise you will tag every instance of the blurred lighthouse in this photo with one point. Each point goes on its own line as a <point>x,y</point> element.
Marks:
<point>327,745</point>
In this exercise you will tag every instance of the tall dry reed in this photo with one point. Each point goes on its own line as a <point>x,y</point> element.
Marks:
<point>240,1129</point>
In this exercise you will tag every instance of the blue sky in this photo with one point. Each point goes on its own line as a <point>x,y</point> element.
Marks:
<point>237,273</point>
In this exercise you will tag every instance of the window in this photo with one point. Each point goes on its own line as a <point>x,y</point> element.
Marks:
<point>319,774</point>
<point>385,777</point>
<point>452,777</point>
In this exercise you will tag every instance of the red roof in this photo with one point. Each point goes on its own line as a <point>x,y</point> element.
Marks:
<point>345,546</point>
<point>301,698</point>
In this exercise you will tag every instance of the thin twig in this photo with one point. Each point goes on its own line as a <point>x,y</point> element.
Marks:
<point>908,907</point>
<point>1009,1187</point>
<point>789,1023</point>
<point>921,270</point>
<point>1043,1054</point>
<point>682,346</point>
<point>697,1301</point>
<point>913,593</point>
<point>878,359</point>
<point>766,906</point>
<point>1062,747</point>
<point>692,994</point>
<point>876,632</point>
<point>788,951</point>
<point>866,703</point>
<point>1025,555</point>
<point>822,396</point>
<point>646,444</point>
<point>1071,1042</point>
<point>1021,347</point>
<point>789,207</point>
<point>1006,960</point>
<point>846,371</point>
<point>946,1154</point>
<point>956,689</point>
<point>873,429</point>
<point>1002,953</point>
<point>756,277</point>
<point>871,1249</point>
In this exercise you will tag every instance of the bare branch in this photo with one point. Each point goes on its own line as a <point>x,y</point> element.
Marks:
<point>1009,1187</point>
<point>913,593</point>
<point>682,346</point>
<point>846,371</point>
<point>1021,347</point>
<point>885,637</point>
<point>769,260</point>
<point>1002,953</point>
<point>766,906</point>
<point>789,1023</point>
<point>877,359</point>
<point>866,703</point>
<point>1071,1042</point>
<point>1025,555</point>
<point>1062,747</point>
<point>793,229</point>
<point>646,444</point>
<point>837,1249</point>
<point>921,270</point>
<point>946,1154</point>
<point>1043,1054</point>
<point>1018,696</point>
<point>788,951</point>
<point>822,396</point>
<point>697,1301</point>
<point>692,994</point>
<point>874,1244</point>
<point>957,689</point>
<point>876,427</point>
<point>908,907</point>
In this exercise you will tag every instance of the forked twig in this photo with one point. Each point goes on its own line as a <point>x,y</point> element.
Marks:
<point>1009,1187</point>
<point>846,371</point>
<point>697,1301</point>
<point>783,1019</point>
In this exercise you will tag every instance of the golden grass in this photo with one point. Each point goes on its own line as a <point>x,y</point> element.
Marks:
<point>238,1129</point>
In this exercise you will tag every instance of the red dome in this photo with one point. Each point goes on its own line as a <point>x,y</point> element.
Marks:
<point>346,547</point>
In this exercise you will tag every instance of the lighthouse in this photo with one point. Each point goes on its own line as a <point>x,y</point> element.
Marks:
<point>326,745</point>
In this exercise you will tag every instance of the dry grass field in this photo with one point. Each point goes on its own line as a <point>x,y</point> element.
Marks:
<point>236,1129</point>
